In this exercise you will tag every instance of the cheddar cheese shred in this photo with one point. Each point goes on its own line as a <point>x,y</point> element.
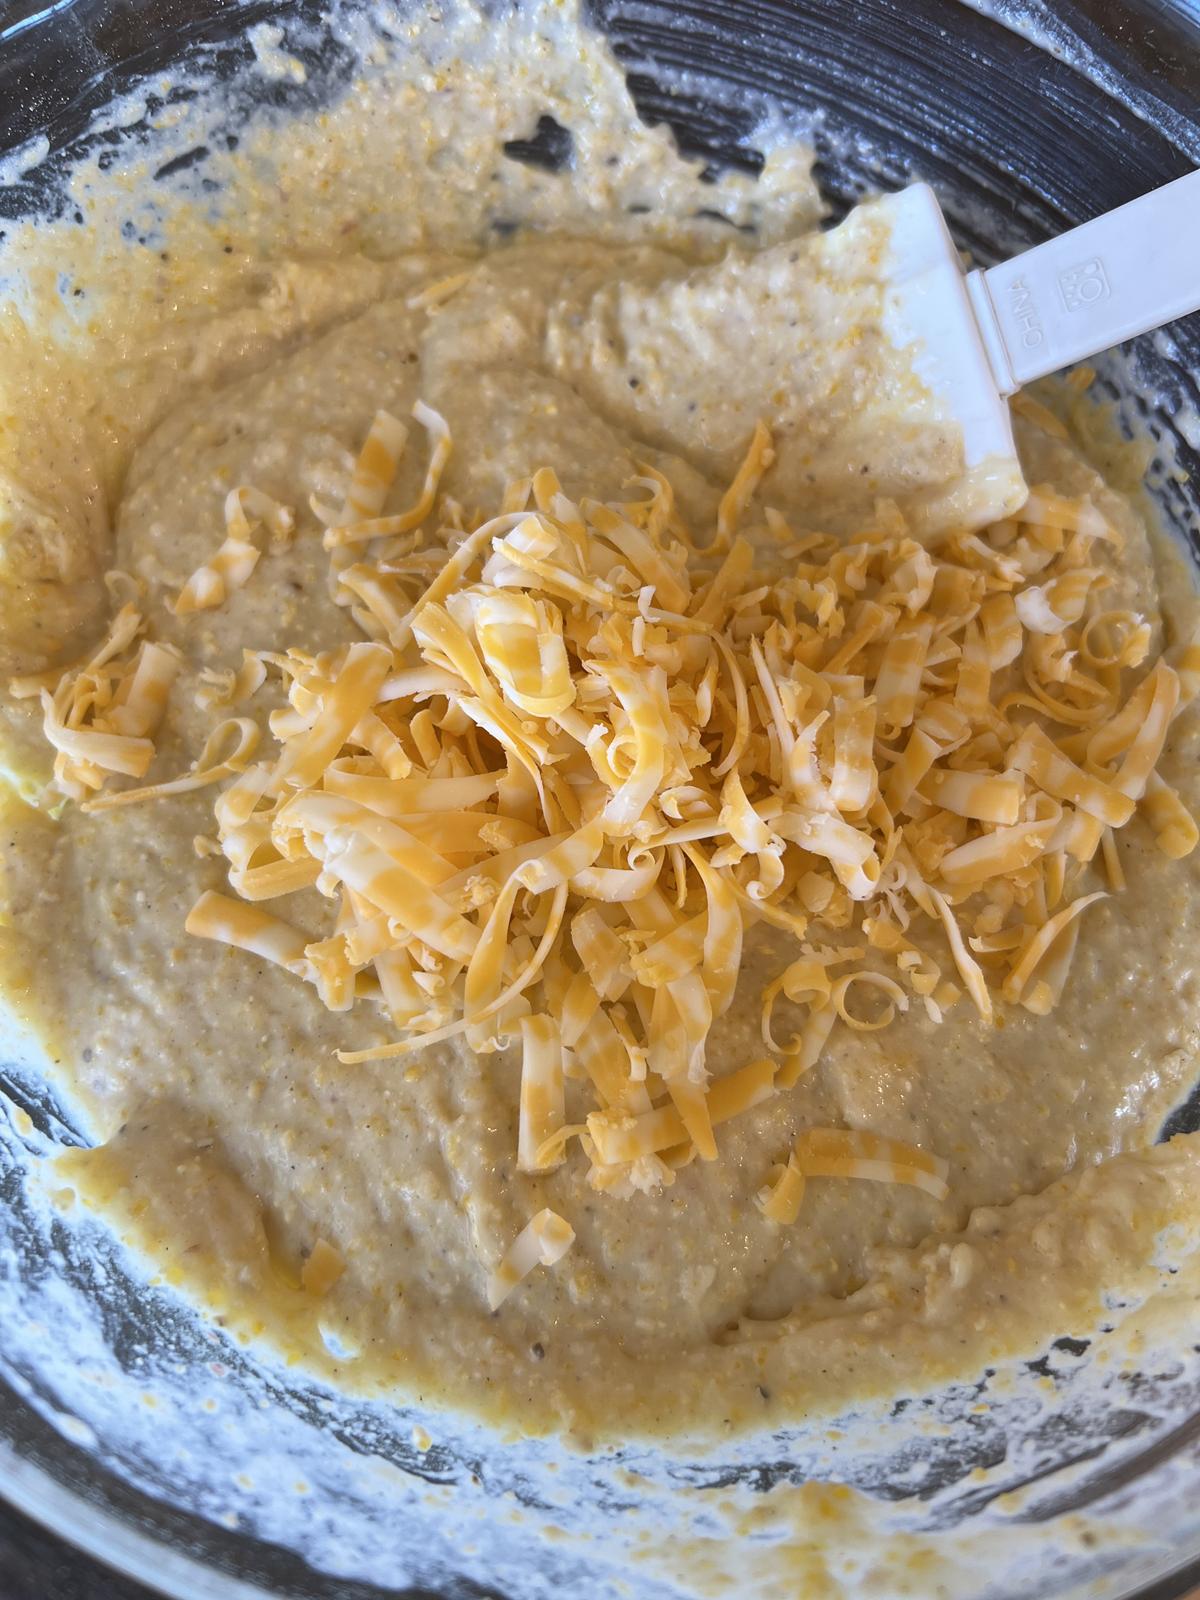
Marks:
<point>544,1241</point>
<point>583,751</point>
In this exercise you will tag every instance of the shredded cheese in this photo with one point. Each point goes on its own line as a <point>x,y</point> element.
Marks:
<point>101,715</point>
<point>542,1105</point>
<point>542,1242</point>
<point>322,1268</point>
<point>580,754</point>
<point>782,1193</point>
<point>246,511</point>
<point>832,1153</point>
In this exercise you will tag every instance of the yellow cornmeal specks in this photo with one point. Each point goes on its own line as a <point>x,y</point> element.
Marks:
<point>584,749</point>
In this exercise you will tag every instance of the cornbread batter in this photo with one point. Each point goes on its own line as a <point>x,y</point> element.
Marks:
<point>355,1212</point>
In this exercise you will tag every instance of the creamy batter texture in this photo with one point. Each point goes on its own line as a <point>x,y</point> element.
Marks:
<point>253,345</point>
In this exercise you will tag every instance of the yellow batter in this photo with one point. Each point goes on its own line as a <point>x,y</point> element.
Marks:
<point>255,349</point>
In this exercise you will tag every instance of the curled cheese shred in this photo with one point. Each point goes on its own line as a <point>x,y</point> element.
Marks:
<point>897,1000</point>
<point>542,1242</point>
<point>226,751</point>
<point>231,687</point>
<point>782,1193</point>
<point>360,521</point>
<point>247,510</point>
<point>845,1153</point>
<point>581,754</point>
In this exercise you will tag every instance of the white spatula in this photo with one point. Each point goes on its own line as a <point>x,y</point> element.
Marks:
<point>977,338</point>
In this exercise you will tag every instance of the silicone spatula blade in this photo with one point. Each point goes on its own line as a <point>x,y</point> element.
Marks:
<point>975,338</point>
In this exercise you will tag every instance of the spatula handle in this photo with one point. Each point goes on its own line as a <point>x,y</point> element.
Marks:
<point>1128,271</point>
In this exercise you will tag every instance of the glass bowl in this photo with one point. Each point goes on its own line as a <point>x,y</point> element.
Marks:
<point>204,1471</point>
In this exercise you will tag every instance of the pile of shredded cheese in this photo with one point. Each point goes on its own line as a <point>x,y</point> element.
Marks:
<point>582,751</point>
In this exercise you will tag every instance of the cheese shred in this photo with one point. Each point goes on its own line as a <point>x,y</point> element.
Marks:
<point>542,1242</point>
